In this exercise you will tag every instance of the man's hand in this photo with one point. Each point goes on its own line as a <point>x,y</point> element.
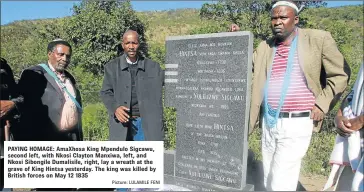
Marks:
<point>343,126</point>
<point>317,114</point>
<point>6,106</point>
<point>356,123</point>
<point>234,27</point>
<point>121,114</point>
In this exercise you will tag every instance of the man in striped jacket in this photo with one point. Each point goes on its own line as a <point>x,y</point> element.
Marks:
<point>298,76</point>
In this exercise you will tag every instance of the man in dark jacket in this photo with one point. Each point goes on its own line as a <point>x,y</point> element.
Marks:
<point>52,103</point>
<point>132,94</point>
<point>9,113</point>
<point>50,113</point>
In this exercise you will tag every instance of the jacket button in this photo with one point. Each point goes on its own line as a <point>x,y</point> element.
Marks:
<point>125,102</point>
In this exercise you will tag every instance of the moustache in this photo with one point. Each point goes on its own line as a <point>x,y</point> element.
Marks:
<point>63,64</point>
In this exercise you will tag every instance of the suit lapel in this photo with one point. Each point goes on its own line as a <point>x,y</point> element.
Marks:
<point>269,60</point>
<point>303,48</point>
<point>53,83</point>
<point>123,64</point>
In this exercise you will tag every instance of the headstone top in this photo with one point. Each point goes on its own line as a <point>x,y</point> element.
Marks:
<point>210,35</point>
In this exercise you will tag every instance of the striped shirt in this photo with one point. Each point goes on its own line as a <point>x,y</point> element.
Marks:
<point>298,96</point>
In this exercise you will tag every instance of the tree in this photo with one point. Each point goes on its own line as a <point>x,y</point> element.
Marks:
<point>208,28</point>
<point>252,15</point>
<point>96,29</point>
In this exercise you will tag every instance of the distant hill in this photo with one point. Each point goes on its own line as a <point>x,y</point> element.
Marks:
<point>17,38</point>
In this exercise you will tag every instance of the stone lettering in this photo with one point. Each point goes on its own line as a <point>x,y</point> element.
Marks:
<point>187,53</point>
<point>182,96</point>
<point>187,88</point>
<point>232,97</point>
<point>223,89</point>
<point>210,80</point>
<point>224,53</point>
<point>222,44</point>
<point>200,175</point>
<point>206,96</point>
<point>205,71</point>
<point>198,105</point>
<point>223,127</point>
<point>207,88</point>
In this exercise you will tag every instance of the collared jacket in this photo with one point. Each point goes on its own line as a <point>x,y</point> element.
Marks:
<point>324,67</point>
<point>116,92</point>
<point>42,107</point>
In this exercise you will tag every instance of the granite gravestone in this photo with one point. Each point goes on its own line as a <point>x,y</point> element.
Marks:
<point>208,81</point>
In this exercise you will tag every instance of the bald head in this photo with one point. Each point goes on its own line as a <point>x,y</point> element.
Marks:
<point>130,44</point>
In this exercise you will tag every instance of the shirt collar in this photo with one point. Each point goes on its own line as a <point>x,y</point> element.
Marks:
<point>130,62</point>
<point>56,72</point>
<point>125,61</point>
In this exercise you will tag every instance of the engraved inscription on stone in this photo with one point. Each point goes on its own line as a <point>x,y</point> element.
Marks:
<point>207,81</point>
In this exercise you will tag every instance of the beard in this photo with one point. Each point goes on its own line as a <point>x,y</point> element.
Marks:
<point>280,35</point>
<point>283,34</point>
<point>60,67</point>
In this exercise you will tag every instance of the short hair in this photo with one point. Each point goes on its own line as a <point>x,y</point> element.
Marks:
<point>128,31</point>
<point>52,45</point>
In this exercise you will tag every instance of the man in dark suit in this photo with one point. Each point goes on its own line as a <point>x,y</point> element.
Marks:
<point>52,102</point>
<point>9,113</point>
<point>132,94</point>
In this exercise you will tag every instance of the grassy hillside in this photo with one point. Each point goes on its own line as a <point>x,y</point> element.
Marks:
<point>17,38</point>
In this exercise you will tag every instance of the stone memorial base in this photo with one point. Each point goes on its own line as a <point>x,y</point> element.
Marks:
<point>181,184</point>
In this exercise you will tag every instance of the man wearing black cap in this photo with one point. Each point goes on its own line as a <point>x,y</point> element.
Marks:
<point>52,103</point>
<point>9,113</point>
